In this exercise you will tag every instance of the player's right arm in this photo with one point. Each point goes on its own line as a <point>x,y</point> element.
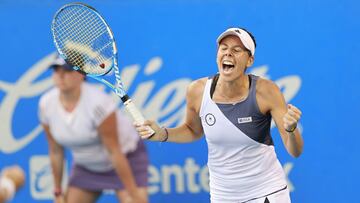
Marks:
<point>56,154</point>
<point>188,131</point>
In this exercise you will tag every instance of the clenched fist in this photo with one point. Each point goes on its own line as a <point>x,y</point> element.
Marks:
<point>291,118</point>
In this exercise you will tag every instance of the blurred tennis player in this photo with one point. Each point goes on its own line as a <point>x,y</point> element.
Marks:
<point>11,179</point>
<point>106,149</point>
<point>234,110</point>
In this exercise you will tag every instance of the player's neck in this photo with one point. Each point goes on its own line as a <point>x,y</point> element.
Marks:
<point>233,91</point>
<point>69,99</point>
<point>235,87</point>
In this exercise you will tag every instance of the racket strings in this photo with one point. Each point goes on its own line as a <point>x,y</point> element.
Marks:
<point>68,24</point>
<point>79,30</point>
<point>84,39</point>
<point>75,24</point>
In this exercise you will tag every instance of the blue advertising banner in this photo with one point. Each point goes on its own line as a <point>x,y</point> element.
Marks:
<point>309,48</point>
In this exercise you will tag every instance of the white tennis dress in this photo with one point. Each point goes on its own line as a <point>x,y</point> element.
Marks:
<point>77,130</point>
<point>242,163</point>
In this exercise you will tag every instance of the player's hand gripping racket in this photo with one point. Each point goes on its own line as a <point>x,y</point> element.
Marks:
<point>84,40</point>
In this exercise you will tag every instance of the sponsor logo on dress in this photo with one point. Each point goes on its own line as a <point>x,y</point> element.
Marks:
<point>210,119</point>
<point>245,120</point>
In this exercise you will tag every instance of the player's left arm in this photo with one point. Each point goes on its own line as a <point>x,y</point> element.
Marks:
<point>108,135</point>
<point>286,117</point>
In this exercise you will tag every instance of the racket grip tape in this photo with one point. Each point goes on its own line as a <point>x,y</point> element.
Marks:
<point>136,114</point>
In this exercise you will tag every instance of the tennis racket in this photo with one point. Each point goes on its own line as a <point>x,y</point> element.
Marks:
<point>84,40</point>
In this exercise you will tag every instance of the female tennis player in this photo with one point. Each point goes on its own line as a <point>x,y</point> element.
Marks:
<point>234,110</point>
<point>107,152</point>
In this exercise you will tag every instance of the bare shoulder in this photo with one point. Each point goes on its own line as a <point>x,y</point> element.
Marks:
<point>194,93</point>
<point>268,95</point>
<point>266,88</point>
<point>196,87</point>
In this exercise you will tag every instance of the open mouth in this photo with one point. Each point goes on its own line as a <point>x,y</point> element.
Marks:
<point>227,66</point>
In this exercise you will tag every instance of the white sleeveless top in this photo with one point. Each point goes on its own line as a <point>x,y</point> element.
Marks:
<point>77,130</point>
<point>240,168</point>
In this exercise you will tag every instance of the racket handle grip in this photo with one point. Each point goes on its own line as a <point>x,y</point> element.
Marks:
<point>136,114</point>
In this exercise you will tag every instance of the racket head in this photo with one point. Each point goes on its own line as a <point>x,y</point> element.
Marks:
<point>84,39</point>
